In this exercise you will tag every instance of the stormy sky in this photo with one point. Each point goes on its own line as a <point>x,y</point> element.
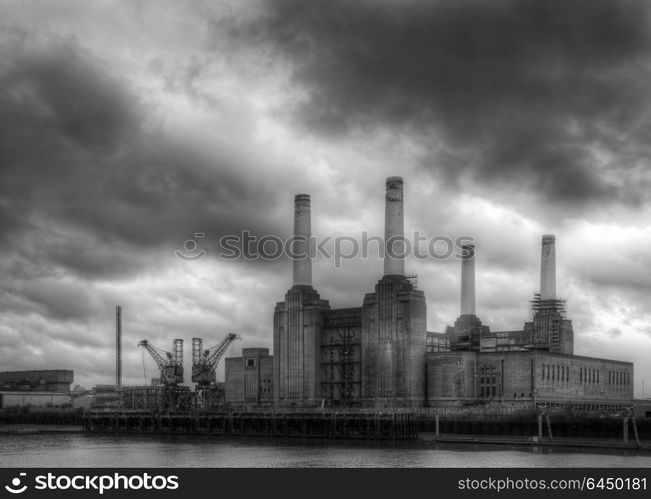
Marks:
<point>127,127</point>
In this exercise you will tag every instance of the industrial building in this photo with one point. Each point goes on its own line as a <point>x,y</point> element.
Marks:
<point>380,355</point>
<point>249,379</point>
<point>51,380</point>
<point>43,388</point>
<point>469,363</point>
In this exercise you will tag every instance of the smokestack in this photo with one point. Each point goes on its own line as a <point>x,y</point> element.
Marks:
<point>468,279</point>
<point>394,244</point>
<point>302,233</point>
<point>548,268</point>
<point>118,346</point>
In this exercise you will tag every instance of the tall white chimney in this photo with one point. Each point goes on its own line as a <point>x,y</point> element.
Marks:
<point>394,244</point>
<point>468,279</point>
<point>301,247</point>
<point>548,268</point>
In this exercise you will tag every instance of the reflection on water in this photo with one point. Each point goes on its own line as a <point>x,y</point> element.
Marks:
<point>85,450</point>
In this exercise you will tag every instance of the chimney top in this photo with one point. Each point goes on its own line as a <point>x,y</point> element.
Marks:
<point>302,199</point>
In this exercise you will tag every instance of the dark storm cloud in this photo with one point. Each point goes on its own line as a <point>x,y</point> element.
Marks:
<point>516,92</point>
<point>88,186</point>
<point>71,94</point>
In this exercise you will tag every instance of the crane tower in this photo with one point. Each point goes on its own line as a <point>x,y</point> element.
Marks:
<point>170,364</point>
<point>204,364</point>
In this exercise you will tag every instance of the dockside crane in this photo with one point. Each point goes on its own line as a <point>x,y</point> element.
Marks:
<point>204,362</point>
<point>204,365</point>
<point>170,364</point>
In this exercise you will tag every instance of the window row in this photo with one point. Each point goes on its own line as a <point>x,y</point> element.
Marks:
<point>619,378</point>
<point>588,375</point>
<point>556,372</point>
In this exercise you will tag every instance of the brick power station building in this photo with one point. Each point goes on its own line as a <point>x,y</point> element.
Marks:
<point>380,355</point>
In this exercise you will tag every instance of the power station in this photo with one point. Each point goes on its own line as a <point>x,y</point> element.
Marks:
<point>380,354</point>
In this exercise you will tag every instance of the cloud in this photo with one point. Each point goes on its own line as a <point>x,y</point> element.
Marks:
<point>90,185</point>
<point>544,96</point>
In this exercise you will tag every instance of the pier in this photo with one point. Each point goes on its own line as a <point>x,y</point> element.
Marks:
<point>328,425</point>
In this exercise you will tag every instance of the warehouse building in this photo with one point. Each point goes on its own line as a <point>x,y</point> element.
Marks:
<point>42,388</point>
<point>50,380</point>
<point>249,378</point>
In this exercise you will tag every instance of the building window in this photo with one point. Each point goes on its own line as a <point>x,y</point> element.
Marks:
<point>250,362</point>
<point>488,381</point>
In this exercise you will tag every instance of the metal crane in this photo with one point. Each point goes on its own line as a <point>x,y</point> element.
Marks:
<point>169,363</point>
<point>204,362</point>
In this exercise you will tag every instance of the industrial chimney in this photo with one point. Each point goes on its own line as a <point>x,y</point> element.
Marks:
<point>468,279</point>
<point>118,346</point>
<point>548,268</point>
<point>394,244</point>
<point>302,234</point>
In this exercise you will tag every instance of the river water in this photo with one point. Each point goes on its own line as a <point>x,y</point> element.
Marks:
<point>91,450</point>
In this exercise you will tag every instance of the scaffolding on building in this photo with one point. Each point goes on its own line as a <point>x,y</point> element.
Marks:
<point>341,385</point>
